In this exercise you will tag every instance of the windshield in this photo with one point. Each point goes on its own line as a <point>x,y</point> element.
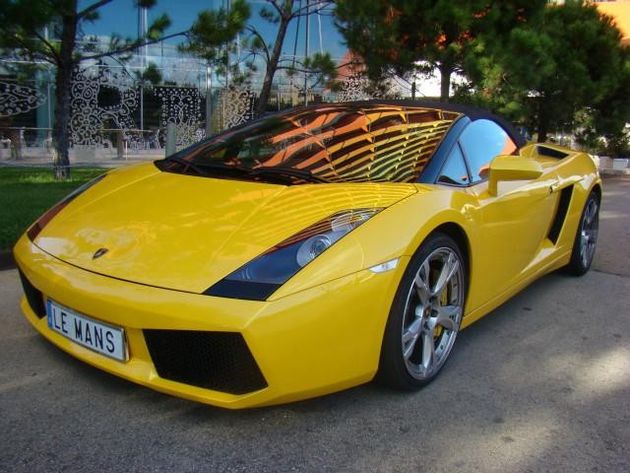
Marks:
<point>327,143</point>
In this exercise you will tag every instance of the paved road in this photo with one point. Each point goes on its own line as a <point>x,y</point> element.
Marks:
<point>542,384</point>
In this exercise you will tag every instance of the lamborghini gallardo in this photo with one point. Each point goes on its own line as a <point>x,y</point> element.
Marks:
<point>307,251</point>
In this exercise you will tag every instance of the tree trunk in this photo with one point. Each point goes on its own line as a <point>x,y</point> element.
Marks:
<point>63,82</point>
<point>445,82</point>
<point>542,131</point>
<point>543,122</point>
<point>272,65</point>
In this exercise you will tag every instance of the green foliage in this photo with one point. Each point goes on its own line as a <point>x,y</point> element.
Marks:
<point>618,145</point>
<point>404,36</point>
<point>26,193</point>
<point>321,67</point>
<point>212,38</point>
<point>150,76</point>
<point>214,30</point>
<point>317,69</point>
<point>550,68</point>
<point>156,29</point>
<point>24,23</point>
<point>611,114</point>
<point>269,15</point>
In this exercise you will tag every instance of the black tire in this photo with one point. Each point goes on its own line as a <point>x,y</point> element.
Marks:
<point>417,326</point>
<point>585,240</point>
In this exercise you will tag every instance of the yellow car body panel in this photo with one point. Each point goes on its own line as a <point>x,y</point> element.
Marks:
<point>513,247</point>
<point>212,225</point>
<point>300,342</point>
<point>173,236</point>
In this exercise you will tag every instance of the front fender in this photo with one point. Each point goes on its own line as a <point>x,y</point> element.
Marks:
<point>395,232</point>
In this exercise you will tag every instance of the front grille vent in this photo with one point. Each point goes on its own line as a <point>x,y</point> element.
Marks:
<point>214,360</point>
<point>33,296</point>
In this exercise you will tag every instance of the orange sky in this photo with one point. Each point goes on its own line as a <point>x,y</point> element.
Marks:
<point>620,11</point>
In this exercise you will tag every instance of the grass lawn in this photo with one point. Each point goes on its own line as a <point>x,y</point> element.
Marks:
<point>26,193</point>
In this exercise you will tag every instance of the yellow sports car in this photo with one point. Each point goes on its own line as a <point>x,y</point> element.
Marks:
<point>306,252</point>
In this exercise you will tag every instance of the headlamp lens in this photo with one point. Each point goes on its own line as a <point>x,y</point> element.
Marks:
<point>263,275</point>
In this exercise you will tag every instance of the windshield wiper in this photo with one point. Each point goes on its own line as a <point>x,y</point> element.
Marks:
<point>203,168</point>
<point>187,164</point>
<point>283,173</point>
<point>218,166</point>
<point>287,171</point>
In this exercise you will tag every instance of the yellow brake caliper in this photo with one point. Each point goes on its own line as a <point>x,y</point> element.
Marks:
<point>443,301</point>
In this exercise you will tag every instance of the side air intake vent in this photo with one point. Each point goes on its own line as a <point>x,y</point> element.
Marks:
<point>561,214</point>
<point>550,152</point>
<point>214,360</point>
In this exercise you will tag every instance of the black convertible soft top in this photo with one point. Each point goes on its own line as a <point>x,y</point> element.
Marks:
<point>474,113</point>
<point>367,141</point>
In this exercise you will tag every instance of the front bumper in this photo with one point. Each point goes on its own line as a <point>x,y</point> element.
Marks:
<point>307,344</point>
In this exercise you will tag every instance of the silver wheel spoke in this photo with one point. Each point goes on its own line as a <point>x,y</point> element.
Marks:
<point>421,282</point>
<point>583,244</point>
<point>410,338</point>
<point>447,315</point>
<point>428,351</point>
<point>588,233</point>
<point>412,332</point>
<point>450,267</point>
<point>591,212</point>
<point>409,350</point>
<point>587,215</point>
<point>584,253</point>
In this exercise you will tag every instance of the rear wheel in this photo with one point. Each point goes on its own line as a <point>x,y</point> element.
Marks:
<point>425,316</point>
<point>585,238</point>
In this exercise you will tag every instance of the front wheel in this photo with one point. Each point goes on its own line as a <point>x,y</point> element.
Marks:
<point>585,238</point>
<point>425,316</point>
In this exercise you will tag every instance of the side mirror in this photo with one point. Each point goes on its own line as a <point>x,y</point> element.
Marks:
<point>511,168</point>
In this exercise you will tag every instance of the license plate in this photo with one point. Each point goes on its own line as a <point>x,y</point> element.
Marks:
<point>97,336</point>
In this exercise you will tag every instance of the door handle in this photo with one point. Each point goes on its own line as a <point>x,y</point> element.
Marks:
<point>559,184</point>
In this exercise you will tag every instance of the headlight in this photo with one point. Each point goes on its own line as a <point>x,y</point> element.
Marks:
<point>259,278</point>
<point>42,221</point>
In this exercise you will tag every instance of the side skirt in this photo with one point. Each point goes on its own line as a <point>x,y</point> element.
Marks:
<point>556,263</point>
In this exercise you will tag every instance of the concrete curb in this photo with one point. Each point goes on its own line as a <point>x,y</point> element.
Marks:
<point>615,172</point>
<point>6,260</point>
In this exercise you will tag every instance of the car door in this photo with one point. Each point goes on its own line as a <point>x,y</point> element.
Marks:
<point>510,228</point>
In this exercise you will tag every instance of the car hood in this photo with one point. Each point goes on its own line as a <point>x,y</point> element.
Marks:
<point>186,232</point>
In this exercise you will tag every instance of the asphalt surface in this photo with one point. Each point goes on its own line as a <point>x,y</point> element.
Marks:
<point>541,384</point>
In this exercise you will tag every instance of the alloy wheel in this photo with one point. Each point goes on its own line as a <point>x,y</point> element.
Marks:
<point>588,232</point>
<point>433,313</point>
